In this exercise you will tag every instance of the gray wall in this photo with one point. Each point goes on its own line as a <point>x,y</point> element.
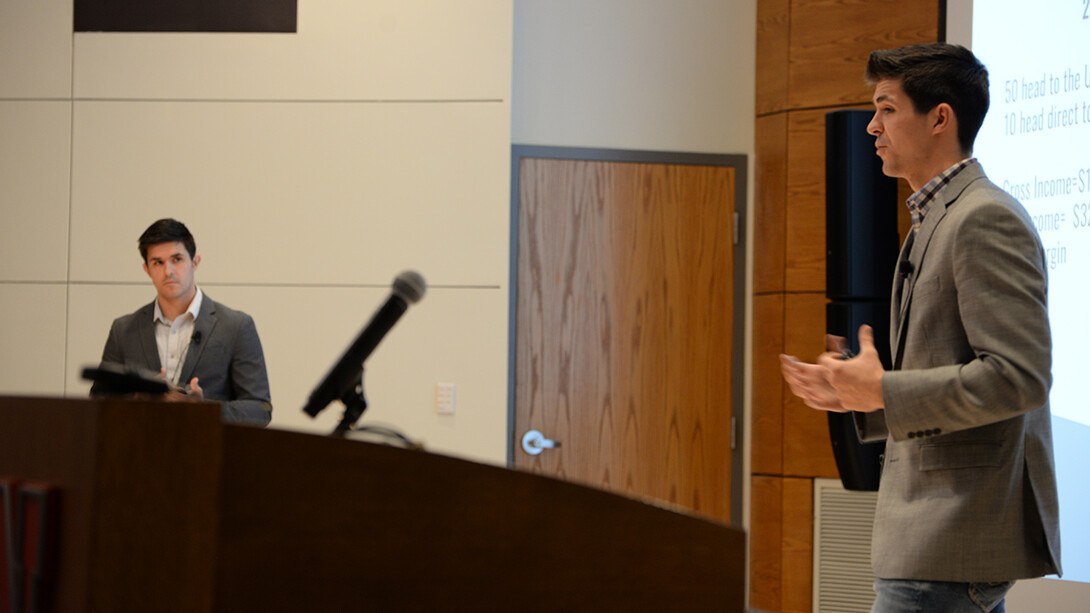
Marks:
<point>635,74</point>
<point>657,75</point>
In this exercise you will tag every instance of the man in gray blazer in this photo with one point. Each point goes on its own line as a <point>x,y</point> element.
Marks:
<point>967,501</point>
<point>204,350</point>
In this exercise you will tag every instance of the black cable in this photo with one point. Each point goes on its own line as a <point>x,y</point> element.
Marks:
<point>383,435</point>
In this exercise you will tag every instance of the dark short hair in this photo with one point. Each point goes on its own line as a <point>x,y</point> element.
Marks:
<point>934,73</point>
<point>167,231</point>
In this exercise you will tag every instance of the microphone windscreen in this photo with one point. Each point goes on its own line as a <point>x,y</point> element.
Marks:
<point>410,286</point>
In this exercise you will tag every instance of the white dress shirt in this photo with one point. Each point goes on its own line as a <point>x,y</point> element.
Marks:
<point>173,337</point>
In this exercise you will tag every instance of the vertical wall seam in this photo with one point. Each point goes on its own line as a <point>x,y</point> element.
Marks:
<point>68,243</point>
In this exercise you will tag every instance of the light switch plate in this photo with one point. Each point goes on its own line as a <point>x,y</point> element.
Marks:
<point>444,398</point>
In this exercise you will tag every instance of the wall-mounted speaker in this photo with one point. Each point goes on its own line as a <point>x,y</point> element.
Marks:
<point>861,242</point>
<point>859,464</point>
<point>861,253</point>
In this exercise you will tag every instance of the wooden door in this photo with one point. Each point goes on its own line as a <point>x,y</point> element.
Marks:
<point>624,327</point>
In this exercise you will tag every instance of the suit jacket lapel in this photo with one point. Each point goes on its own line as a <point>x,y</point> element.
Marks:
<point>146,337</point>
<point>202,326</point>
<point>914,250</point>
<point>897,302</point>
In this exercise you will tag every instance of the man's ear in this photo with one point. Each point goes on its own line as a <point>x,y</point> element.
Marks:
<point>146,268</point>
<point>942,118</point>
<point>196,260</point>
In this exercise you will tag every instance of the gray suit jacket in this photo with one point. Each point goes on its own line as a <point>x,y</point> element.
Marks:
<point>968,488</point>
<point>227,358</point>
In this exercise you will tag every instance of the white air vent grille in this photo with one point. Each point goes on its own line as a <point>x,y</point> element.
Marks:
<point>843,579</point>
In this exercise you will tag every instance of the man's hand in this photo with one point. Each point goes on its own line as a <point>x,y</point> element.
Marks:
<point>810,382</point>
<point>174,393</point>
<point>177,394</point>
<point>856,382</point>
<point>837,383</point>
<point>196,394</point>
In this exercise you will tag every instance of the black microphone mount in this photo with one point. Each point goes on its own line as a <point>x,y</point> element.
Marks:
<point>344,381</point>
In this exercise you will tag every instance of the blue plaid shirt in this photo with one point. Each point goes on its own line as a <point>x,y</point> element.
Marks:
<point>920,202</point>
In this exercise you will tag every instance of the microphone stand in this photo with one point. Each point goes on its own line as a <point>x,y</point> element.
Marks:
<point>355,403</point>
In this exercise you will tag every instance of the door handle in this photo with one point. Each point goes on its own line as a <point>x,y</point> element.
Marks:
<point>534,442</point>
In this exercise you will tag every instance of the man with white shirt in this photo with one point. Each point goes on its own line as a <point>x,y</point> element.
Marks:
<point>205,350</point>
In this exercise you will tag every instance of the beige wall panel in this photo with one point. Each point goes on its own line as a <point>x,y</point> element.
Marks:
<point>344,50</point>
<point>32,337</point>
<point>91,310</point>
<point>34,161</point>
<point>36,47</point>
<point>454,336</point>
<point>296,193</point>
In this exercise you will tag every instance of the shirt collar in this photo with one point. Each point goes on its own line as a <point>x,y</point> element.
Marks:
<point>194,309</point>
<point>920,202</point>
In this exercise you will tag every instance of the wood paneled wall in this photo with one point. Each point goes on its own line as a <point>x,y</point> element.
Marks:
<point>810,60</point>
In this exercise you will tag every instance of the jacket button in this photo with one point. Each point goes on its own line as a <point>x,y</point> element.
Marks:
<point>911,435</point>
<point>938,431</point>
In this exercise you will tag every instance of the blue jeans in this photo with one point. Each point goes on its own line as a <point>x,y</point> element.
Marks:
<point>907,596</point>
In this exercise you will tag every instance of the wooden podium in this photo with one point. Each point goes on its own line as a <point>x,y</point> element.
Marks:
<point>163,509</point>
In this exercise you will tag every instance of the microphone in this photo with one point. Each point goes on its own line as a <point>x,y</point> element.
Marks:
<point>906,268</point>
<point>408,287</point>
<point>196,338</point>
